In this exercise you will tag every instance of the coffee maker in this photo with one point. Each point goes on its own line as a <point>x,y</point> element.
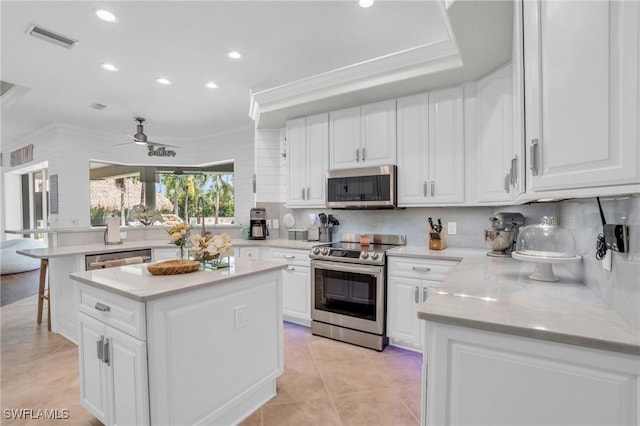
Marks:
<point>258,224</point>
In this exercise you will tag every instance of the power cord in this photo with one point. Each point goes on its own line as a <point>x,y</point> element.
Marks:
<point>601,248</point>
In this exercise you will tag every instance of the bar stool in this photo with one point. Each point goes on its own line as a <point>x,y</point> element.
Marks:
<point>44,263</point>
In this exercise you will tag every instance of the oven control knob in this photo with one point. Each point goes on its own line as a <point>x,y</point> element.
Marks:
<point>316,250</point>
<point>374,256</point>
<point>364,255</point>
<point>325,251</point>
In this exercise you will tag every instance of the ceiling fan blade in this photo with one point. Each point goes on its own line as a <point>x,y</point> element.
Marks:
<point>125,143</point>
<point>162,144</point>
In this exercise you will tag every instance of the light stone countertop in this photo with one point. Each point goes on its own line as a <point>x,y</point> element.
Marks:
<point>135,282</point>
<point>48,253</point>
<point>496,294</point>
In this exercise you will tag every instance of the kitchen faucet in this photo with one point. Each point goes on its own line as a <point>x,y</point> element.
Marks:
<point>200,202</point>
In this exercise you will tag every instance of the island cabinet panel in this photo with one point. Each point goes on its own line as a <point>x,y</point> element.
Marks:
<point>480,377</point>
<point>64,307</point>
<point>214,353</point>
<point>113,379</point>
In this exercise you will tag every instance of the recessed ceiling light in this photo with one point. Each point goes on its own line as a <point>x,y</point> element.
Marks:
<point>211,85</point>
<point>232,54</point>
<point>109,67</point>
<point>365,3</point>
<point>105,15</point>
<point>162,80</point>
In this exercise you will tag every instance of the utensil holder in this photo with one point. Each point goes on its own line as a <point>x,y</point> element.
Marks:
<point>437,240</point>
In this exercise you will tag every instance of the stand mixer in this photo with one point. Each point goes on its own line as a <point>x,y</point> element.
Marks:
<point>501,238</point>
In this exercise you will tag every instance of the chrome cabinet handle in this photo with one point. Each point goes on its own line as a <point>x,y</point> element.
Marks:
<point>506,183</point>
<point>415,294</point>
<point>307,192</point>
<point>358,154</point>
<point>362,154</point>
<point>421,269</point>
<point>433,188</point>
<point>514,170</point>
<point>100,348</point>
<point>290,268</point>
<point>105,353</point>
<point>303,193</point>
<point>254,183</point>
<point>289,256</point>
<point>424,188</point>
<point>425,293</point>
<point>533,153</point>
<point>102,307</point>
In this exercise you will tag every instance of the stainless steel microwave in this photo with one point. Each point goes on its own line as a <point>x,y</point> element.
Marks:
<point>363,188</point>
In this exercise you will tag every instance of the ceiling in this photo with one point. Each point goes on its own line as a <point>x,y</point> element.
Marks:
<point>186,41</point>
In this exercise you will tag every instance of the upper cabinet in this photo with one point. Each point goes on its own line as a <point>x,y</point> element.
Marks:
<point>582,94</point>
<point>431,148</point>
<point>363,136</point>
<point>308,160</point>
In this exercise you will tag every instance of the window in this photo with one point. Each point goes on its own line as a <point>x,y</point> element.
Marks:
<point>116,189</point>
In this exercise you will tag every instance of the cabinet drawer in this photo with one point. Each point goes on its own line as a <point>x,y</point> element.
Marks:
<point>119,312</point>
<point>293,257</point>
<point>431,269</point>
<point>249,252</point>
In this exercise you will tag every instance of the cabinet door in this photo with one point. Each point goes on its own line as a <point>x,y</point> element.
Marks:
<point>378,125</point>
<point>93,373</point>
<point>296,295</point>
<point>317,162</point>
<point>297,161</point>
<point>413,156</point>
<point>494,103</point>
<point>129,385</point>
<point>344,138</point>
<point>403,325</point>
<point>446,146</point>
<point>582,93</point>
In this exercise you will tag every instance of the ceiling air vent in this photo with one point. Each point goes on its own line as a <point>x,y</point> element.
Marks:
<point>97,106</point>
<point>51,37</point>
<point>5,86</point>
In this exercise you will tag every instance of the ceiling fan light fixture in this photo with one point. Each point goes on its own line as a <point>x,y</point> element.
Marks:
<point>233,54</point>
<point>163,81</point>
<point>105,15</point>
<point>211,85</point>
<point>365,3</point>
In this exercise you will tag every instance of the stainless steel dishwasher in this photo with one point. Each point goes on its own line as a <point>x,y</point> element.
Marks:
<point>118,258</point>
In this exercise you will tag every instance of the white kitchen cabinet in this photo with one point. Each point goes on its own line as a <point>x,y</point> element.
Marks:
<point>296,285</point>
<point>582,94</point>
<point>482,377</point>
<point>64,307</point>
<point>499,146</point>
<point>410,282</point>
<point>308,160</point>
<point>431,148</point>
<point>248,252</point>
<point>363,136</point>
<point>113,379</point>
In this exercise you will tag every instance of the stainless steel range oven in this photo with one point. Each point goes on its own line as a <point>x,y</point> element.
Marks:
<point>349,287</point>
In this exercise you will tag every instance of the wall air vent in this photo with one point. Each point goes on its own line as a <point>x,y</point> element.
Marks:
<point>97,106</point>
<point>51,37</point>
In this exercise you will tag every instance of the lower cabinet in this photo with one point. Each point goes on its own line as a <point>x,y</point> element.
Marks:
<point>481,377</point>
<point>296,285</point>
<point>114,383</point>
<point>410,282</point>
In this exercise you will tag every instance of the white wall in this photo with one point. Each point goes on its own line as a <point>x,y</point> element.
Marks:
<point>270,166</point>
<point>68,151</point>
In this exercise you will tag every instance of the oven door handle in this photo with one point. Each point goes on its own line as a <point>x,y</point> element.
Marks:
<point>347,267</point>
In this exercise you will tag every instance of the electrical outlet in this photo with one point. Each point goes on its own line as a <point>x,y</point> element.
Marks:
<point>606,262</point>
<point>275,223</point>
<point>268,221</point>
<point>123,235</point>
<point>452,228</point>
<point>240,317</point>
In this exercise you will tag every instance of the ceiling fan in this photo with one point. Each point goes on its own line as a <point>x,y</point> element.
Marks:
<point>140,138</point>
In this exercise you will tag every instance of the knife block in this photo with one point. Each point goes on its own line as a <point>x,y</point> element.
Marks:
<point>437,240</point>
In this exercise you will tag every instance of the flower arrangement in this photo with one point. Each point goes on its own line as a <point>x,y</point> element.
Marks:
<point>179,235</point>
<point>145,215</point>
<point>211,249</point>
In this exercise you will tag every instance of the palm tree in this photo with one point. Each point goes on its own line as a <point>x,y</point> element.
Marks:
<point>175,189</point>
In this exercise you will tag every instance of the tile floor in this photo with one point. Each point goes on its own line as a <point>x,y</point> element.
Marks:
<point>325,382</point>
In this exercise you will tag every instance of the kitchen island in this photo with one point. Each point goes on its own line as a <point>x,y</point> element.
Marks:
<point>501,348</point>
<point>198,348</point>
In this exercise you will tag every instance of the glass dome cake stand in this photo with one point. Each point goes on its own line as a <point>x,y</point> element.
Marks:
<point>544,265</point>
<point>545,244</point>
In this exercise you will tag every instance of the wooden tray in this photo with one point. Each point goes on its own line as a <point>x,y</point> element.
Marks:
<point>173,267</point>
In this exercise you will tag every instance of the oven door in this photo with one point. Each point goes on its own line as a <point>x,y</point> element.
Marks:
<point>348,295</point>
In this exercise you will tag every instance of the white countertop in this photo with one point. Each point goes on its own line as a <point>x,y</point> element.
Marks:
<point>135,282</point>
<point>48,253</point>
<point>496,294</point>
